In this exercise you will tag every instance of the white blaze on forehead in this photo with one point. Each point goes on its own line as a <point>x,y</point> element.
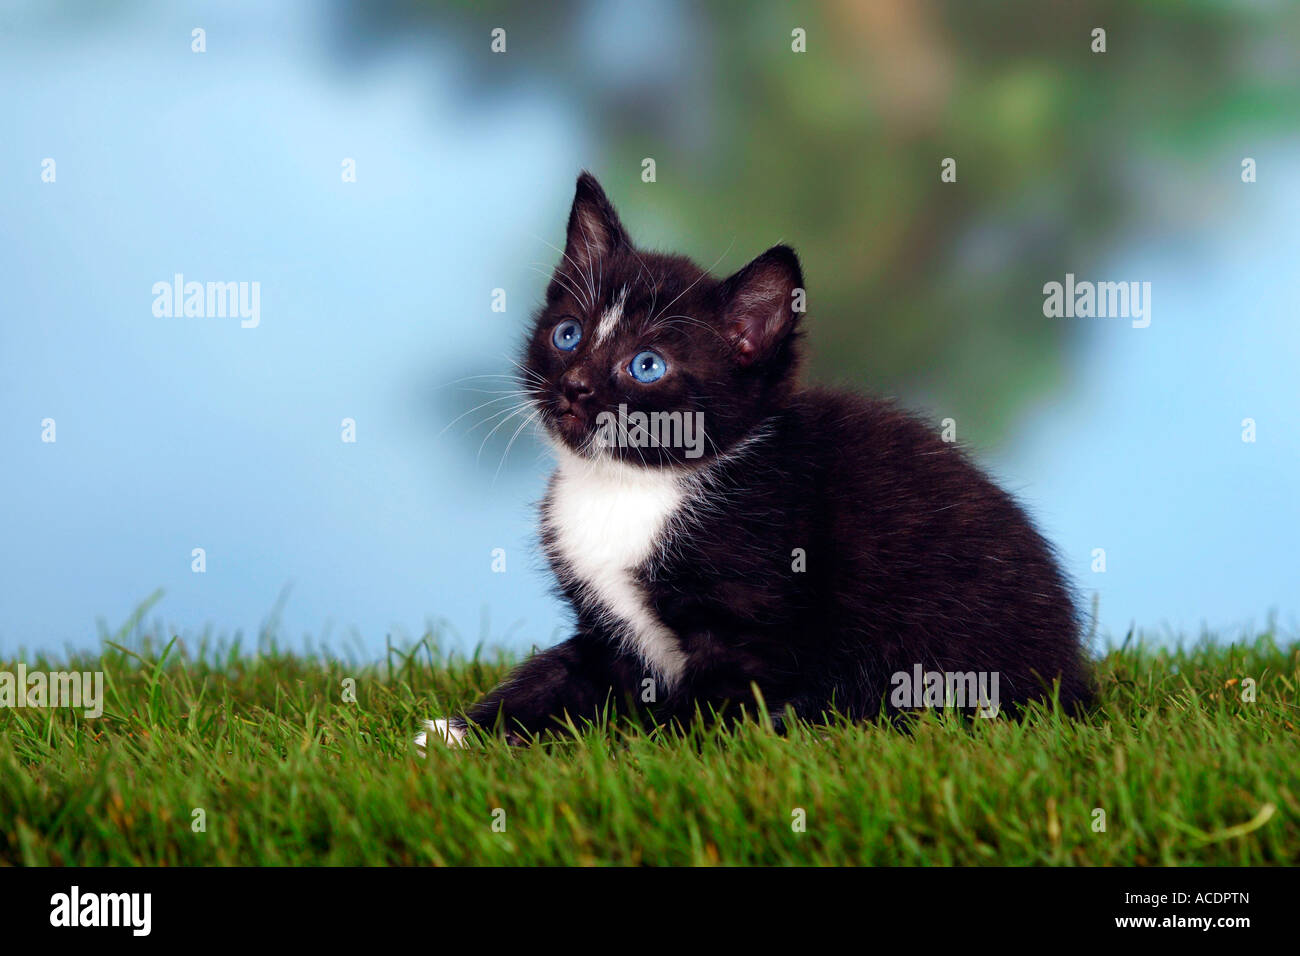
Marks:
<point>612,317</point>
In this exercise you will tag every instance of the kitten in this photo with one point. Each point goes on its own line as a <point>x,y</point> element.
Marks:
<point>826,548</point>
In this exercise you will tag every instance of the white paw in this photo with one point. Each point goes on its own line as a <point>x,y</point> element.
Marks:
<point>442,729</point>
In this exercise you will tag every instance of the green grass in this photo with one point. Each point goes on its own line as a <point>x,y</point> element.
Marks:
<point>286,772</point>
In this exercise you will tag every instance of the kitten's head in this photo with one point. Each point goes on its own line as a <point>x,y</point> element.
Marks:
<point>647,358</point>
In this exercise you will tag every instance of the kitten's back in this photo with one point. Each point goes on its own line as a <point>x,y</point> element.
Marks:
<point>933,563</point>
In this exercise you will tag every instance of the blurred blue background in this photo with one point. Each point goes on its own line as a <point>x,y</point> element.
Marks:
<point>183,433</point>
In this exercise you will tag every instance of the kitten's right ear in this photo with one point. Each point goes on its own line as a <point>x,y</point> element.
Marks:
<point>758,304</point>
<point>594,229</point>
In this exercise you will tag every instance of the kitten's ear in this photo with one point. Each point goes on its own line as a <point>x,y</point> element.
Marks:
<point>757,304</point>
<point>594,229</point>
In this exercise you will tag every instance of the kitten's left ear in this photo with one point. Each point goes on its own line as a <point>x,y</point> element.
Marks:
<point>757,304</point>
<point>594,229</point>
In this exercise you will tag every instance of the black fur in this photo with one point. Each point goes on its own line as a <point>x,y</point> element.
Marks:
<point>912,555</point>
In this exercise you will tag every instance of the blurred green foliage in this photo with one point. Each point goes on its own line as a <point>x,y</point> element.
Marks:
<point>919,288</point>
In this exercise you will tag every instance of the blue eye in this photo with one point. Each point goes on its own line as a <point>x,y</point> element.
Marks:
<point>648,367</point>
<point>567,335</point>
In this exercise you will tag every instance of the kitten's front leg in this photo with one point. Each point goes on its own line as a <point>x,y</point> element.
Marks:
<point>576,678</point>
<point>726,666</point>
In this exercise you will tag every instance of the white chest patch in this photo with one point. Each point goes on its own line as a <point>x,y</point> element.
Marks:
<point>606,519</point>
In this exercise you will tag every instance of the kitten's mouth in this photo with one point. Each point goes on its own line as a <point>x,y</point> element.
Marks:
<point>572,422</point>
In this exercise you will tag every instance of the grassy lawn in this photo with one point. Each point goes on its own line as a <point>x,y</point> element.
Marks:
<point>286,771</point>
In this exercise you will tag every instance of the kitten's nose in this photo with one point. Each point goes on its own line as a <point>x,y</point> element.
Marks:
<point>575,385</point>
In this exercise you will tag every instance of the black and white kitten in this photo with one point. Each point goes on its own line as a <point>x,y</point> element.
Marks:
<point>825,548</point>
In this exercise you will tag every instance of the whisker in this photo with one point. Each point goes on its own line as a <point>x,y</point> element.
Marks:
<point>565,281</point>
<point>590,277</point>
<point>506,454</point>
<point>495,428</point>
<point>654,285</point>
<point>491,401</point>
<point>668,323</point>
<point>567,256</point>
<point>508,412</point>
<point>700,276</point>
<point>468,378</point>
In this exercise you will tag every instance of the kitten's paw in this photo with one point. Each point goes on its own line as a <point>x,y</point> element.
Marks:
<point>445,730</point>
